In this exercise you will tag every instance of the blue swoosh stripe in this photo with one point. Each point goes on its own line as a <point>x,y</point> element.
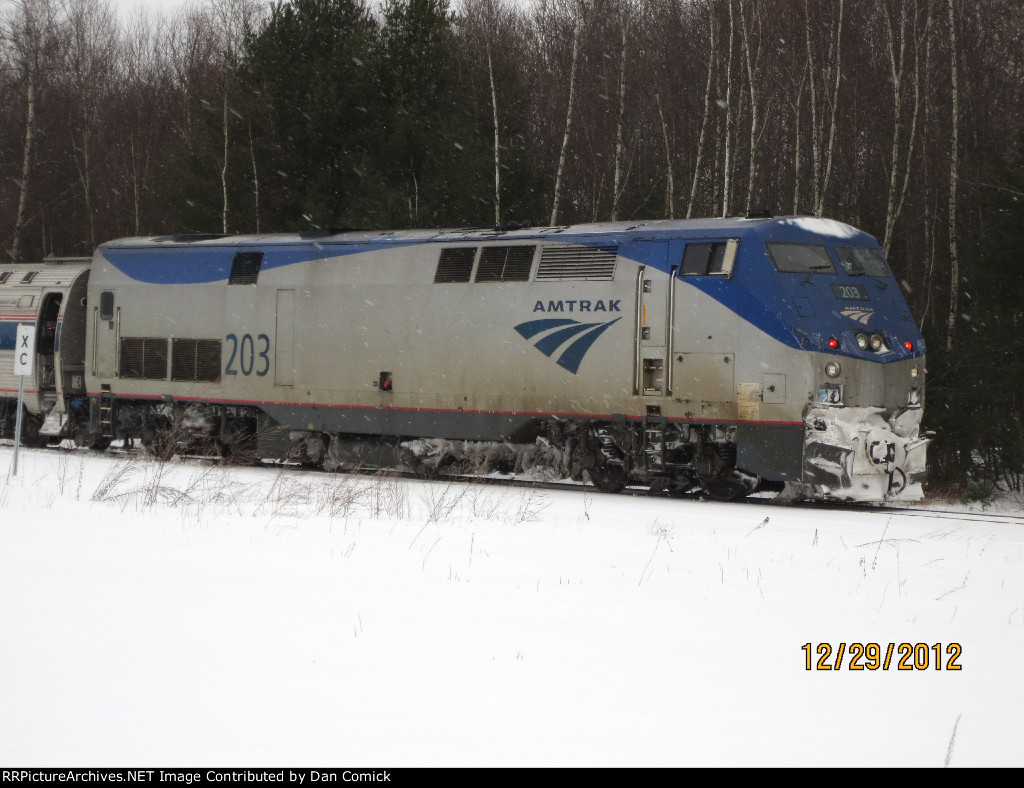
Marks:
<point>184,266</point>
<point>553,341</point>
<point>533,327</point>
<point>573,355</point>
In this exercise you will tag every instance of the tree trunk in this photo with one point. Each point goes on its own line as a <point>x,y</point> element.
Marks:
<point>497,139</point>
<point>224,168</point>
<point>568,117</point>
<point>837,64</point>
<point>670,188</point>
<point>135,187</point>
<point>82,163</point>
<point>796,142</point>
<point>255,179</point>
<point>704,118</point>
<point>617,179</point>
<point>727,164</point>
<point>751,61</point>
<point>26,164</point>
<point>954,173</point>
<point>815,140</point>
<point>900,160</point>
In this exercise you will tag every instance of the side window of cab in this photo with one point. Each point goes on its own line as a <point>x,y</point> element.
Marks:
<point>715,258</point>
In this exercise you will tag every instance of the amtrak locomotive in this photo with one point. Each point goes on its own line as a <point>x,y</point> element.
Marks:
<point>723,355</point>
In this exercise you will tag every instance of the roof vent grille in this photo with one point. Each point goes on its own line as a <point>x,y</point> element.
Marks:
<point>455,264</point>
<point>505,264</point>
<point>577,262</point>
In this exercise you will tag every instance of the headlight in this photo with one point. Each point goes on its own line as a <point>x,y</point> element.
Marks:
<point>862,341</point>
<point>876,342</point>
<point>832,369</point>
<point>914,372</point>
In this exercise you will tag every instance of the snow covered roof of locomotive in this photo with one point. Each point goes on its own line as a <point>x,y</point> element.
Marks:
<point>655,228</point>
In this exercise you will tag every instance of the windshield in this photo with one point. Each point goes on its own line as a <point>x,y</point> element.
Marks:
<point>801,258</point>
<point>857,261</point>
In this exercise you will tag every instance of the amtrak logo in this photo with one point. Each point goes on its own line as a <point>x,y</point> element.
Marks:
<point>859,314</point>
<point>554,333</point>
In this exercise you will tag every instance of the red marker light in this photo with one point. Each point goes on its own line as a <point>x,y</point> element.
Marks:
<point>833,342</point>
<point>908,345</point>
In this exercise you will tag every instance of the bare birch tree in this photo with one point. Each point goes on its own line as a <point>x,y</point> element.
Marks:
<point>751,57</point>
<point>626,10</point>
<point>712,60</point>
<point>577,32</point>
<point>90,53</point>
<point>727,164</point>
<point>30,24</point>
<point>670,188</point>
<point>836,64</point>
<point>797,103</point>
<point>899,34</point>
<point>497,136</point>
<point>233,19</point>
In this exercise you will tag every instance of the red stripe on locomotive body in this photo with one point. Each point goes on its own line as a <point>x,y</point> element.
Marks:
<point>436,410</point>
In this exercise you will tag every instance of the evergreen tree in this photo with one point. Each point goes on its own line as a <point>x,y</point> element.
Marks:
<point>430,161</point>
<point>314,104</point>
<point>976,391</point>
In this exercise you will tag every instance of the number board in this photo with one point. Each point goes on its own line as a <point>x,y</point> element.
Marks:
<point>850,292</point>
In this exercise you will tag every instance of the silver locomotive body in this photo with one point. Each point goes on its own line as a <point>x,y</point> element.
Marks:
<point>714,354</point>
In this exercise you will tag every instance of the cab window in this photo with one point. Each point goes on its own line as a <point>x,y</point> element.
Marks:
<point>857,260</point>
<point>702,259</point>
<point>801,258</point>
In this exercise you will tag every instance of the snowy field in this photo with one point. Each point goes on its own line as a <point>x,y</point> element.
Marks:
<point>185,614</point>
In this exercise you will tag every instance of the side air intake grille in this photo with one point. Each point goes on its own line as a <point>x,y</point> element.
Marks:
<point>195,360</point>
<point>143,358</point>
<point>505,264</point>
<point>455,264</point>
<point>577,262</point>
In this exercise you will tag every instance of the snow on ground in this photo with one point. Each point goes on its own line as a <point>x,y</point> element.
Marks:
<point>191,615</point>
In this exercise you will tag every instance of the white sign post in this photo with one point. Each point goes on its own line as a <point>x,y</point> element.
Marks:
<point>24,356</point>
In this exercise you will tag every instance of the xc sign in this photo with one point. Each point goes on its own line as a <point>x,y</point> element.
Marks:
<point>24,350</point>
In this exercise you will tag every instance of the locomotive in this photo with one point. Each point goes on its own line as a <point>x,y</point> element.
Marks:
<point>717,355</point>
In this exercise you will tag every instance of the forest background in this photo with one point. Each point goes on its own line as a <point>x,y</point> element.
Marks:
<point>902,117</point>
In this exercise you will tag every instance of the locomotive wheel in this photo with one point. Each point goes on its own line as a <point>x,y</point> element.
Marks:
<point>731,487</point>
<point>242,450</point>
<point>97,442</point>
<point>85,437</point>
<point>160,443</point>
<point>609,478</point>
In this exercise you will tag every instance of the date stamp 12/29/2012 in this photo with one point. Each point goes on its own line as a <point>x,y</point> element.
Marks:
<point>874,656</point>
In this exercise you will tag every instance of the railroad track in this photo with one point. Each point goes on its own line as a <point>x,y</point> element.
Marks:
<point>1000,518</point>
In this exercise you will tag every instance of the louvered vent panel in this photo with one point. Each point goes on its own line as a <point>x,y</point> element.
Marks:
<point>577,262</point>
<point>245,268</point>
<point>208,359</point>
<point>143,358</point>
<point>131,358</point>
<point>183,359</point>
<point>505,264</point>
<point>455,264</point>
<point>195,360</point>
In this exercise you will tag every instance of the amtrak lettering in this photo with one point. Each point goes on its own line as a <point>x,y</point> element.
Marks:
<point>584,306</point>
